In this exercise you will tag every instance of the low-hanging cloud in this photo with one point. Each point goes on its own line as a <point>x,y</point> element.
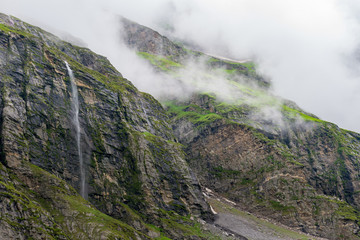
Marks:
<point>308,48</point>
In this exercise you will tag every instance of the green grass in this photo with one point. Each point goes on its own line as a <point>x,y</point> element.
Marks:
<point>83,213</point>
<point>8,29</point>
<point>250,66</point>
<point>344,138</point>
<point>344,210</point>
<point>239,106</point>
<point>347,211</point>
<point>112,82</point>
<point>280,207</point>
<point>161,62</point>
<point>292,113</point>
<point>86,213</point>
<point>220,172</point>
<point>148,135</point>
<point>255,96</point>
<point>230,71</point>
<point>77,209</point>
<point>195,114</point>
<point>183,224</point>
<point>245,89</point>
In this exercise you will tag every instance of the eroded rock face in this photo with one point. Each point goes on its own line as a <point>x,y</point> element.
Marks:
<point>158,48</point>
<point>304,176</point>
<point>144,39</point>
<point>292,167</point>
<point>131,155</point>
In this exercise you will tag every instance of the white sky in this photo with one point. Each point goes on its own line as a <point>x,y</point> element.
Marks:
<point>307,47</point>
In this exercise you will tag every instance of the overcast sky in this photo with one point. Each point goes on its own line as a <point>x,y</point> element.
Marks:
<point>307,47</point>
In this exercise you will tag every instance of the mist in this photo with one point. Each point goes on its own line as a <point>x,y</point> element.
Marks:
<point>309,49</point>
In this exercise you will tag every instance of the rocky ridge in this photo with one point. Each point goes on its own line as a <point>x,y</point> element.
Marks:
<point>138,183</point>
<point>167,56</point>
<point>263,152</point>
<point>293,168</point>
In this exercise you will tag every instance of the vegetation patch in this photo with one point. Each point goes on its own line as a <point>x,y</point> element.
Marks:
<point>198,116</point>
<point>279,207</point>
<point>262,137</point>
<point>347,211</point>
<point>344,210</point>
<point>220,172</point>
<point>8,29</point>
<point>248,68</point>
<point>293,113</point>
<point>88,214</point>
<point>183,225</point>
<point>81,211</point>
<point>163,63</point>
<point>113,82</point>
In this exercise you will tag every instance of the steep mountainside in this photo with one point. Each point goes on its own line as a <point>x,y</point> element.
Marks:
<point>135,170</point>
<point>144,39</point>
<point>169,57</point>
<point>144,161</point>
<point>261,151</point>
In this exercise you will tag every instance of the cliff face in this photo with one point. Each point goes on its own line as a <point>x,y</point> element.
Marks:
<point>144,39</point>
<point>304,176</point>
<point>267,154</point>
<point>132,161</point>
<point>262,152</point>
<point>167,56</point>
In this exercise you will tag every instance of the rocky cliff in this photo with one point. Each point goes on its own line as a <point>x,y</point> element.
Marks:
<point>263,152</point>
<point>138,183</point>
<point>144,39</point>
<point>303,175</point>
<point>168,56</point>
<point>143,159</point>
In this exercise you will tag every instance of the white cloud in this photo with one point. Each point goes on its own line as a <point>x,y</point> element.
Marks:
<point>306,46</point>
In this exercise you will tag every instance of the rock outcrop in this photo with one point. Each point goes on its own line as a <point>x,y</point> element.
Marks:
<point>267,154</point>
<point>305,176</point>
<point>144,39</point>
<point>166,55</point>
<point>260,151</point>
<point>135,169</point>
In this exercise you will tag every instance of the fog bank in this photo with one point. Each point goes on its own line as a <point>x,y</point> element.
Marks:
<point>309,49</point>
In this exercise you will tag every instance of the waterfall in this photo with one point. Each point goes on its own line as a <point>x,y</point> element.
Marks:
<point>146,113</point>
<point>75,120</point>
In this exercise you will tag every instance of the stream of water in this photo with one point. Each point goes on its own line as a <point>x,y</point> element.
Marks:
<point>76,122</point>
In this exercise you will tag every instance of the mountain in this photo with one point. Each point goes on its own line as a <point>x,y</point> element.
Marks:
<point>168,56</point>
<point>138,184</point>
<point>115,163</point>
<point>261,151</point>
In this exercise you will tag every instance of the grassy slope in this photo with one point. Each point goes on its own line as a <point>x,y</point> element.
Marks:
<point>46,195</point>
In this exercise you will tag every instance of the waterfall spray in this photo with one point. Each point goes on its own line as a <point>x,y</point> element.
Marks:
<point>75,112</point>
